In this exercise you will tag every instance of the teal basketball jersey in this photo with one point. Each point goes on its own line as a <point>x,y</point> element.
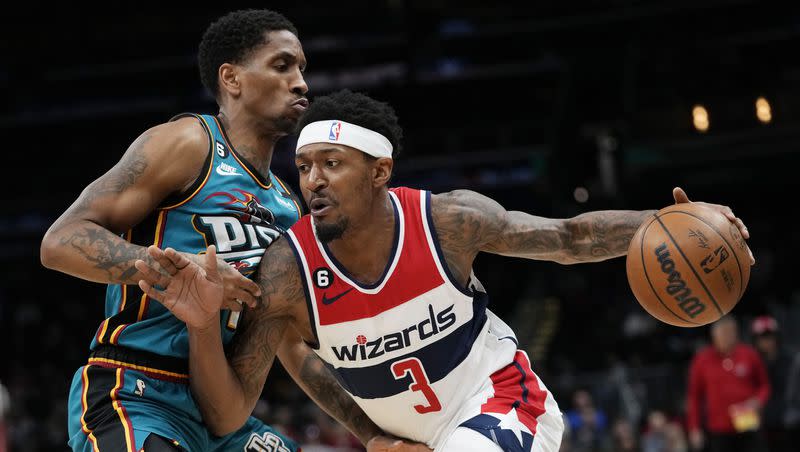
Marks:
<point>231,206</point>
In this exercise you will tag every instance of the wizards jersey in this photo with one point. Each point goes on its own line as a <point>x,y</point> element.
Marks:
<point>230,206</point>
<point>416,350</point>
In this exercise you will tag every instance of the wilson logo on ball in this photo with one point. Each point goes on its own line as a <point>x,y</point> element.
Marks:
<point>676,285</point>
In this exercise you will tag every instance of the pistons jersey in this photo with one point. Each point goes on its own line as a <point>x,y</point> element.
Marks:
<point>416,349</point>
<point>231,206</point>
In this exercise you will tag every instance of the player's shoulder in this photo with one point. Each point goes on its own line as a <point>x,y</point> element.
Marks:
<point>183,135</point>
<point>455,200</point>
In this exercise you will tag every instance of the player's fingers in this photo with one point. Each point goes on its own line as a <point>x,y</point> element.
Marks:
<point>236,293</point>
<point>178,260</point>
<point>752,258</point>
<point>161,258</point>
<point>728,213</point>
<point>150,274</point>
<point>212,272</point>
<point>742,228</point>
<point>153,293</point>
<point>679,195</point>
<point>250,286</point>
<point>232,304</point>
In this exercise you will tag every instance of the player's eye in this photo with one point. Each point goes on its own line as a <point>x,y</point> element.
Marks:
<point>302,167</point>
<point>331,163</point>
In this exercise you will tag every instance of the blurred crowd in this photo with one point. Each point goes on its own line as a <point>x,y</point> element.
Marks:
<point>740,397</point>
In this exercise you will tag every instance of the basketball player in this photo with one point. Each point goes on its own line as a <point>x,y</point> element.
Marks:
<point>194,181</point>
<point>379,282</point>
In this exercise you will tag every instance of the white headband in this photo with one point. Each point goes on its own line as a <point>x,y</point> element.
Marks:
<point>340,132</point>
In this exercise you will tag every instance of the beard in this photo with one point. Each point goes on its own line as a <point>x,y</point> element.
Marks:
<point>327,232</point>
<point>286,124</point>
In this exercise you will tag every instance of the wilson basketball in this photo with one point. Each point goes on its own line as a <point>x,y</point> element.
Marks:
<point>688,265</point>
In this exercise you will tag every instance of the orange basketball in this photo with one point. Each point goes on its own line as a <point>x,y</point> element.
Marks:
<point>688,265</point>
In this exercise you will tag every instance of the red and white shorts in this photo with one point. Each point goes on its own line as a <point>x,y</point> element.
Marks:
<point>512,412</point>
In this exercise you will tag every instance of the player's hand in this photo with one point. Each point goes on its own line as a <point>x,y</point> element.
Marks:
<point>193,293</point>
<point>237,288</point>
<point>392,444</point>
<point>680,197</point>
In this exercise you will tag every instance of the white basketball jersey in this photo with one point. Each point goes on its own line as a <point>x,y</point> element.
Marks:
<point>415,349</point>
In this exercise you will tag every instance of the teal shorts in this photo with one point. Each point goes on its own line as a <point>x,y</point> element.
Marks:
<point>117,408</point>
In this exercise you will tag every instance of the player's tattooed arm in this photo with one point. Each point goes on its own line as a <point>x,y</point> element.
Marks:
<point>85,240</point>
<point>468,222</point>
<point>227,388</point>
<point>310,373</point>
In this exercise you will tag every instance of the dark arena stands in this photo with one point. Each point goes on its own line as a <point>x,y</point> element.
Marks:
<point>552,108</point>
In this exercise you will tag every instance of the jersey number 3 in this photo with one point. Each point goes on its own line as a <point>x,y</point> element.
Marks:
<point>419,383</point>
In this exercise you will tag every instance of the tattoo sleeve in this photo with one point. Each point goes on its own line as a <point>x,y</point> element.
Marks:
<point>468,222</point>
<point>318,382</point>
<point>227,389</point>
<point>78,244</point>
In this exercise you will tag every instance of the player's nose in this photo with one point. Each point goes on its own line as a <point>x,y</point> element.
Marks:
<point>299,85</point>
<point>316,179</point>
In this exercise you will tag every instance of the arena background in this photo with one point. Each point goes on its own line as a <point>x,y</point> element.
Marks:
<point>550,109</point>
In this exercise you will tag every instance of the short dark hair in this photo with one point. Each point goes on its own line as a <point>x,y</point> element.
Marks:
<point>358,109</point>
<point>232,38</point>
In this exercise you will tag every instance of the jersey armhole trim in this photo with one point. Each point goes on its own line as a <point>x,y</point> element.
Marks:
<point>433,240</point>
<point>288,192</point>
<point>180,199</point>
<point>301,266</point>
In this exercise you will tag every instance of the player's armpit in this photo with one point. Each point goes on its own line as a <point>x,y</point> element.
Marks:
<point>83,242</point>
<point>468,222</point>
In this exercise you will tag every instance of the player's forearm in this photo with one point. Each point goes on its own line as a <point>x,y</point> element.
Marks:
<point>92,252</point>
<point>215,386</point>
<point>589,237</point>
<point>601,235</point>
<point>311,375</point>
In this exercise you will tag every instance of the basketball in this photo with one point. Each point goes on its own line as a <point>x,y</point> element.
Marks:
<point>688,265</point>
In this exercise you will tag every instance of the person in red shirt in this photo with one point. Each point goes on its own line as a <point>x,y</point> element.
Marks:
<point>728,386</point>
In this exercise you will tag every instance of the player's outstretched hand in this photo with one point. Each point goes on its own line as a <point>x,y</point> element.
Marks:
<point>391,444</point>
<point>193,293</point>
<point>680,197</point>
<point>237,288</point>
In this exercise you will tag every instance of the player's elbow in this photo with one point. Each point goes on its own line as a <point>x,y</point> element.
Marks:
<point>49,250</point>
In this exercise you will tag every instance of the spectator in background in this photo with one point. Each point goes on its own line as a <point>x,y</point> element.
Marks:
<point>663,435</point>
<point>586,423</point>
<point>778,361</point>
<point>728,386</point>
<point>623,437</point>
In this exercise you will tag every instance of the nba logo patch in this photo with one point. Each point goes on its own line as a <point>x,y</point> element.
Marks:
<point>336,128</point>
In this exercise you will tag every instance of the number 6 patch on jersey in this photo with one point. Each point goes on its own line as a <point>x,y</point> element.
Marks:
<point>323,277</point>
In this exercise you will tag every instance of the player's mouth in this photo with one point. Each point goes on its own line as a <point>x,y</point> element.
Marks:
<point>320,207</point>
<point>300,105</point>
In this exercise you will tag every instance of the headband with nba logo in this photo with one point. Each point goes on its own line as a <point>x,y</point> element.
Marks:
<point>340,132</point>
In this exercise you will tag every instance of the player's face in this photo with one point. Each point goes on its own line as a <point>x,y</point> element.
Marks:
<point>272,83</point>
<point>336,182</point>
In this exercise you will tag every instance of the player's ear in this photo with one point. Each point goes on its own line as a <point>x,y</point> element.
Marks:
<point>382,171</point>
<point>229,79</point>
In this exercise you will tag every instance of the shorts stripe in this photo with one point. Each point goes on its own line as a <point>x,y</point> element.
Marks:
<point>84,427</point>
<point>516,386</point>
<point>123,415</point>
<point>104,419</point>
